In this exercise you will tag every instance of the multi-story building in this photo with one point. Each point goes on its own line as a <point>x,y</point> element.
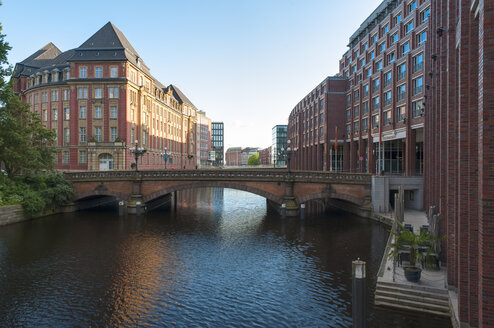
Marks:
<point>459,134</point>
<point>233,156</point>
<point>203,139</point>
<point>246,153</point>
<point>217,138</point>
<point>278,144</point>
<point>384,129</point>
<point>314,125</point>
<point>102,101</point>
<point>265,156</point>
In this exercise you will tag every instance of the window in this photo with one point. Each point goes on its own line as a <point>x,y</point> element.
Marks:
<point>98,93</point>
<point>67,74</point>
<point>113,134</point>
<point>394,38</point>
<point>412,6</point>
<point>348,129</point>
<point>424,15</point>
<point>401,92</point>
<point>369,72</point>
<point>356,95</point>
<point>379,65</point>
<point>66,94</point>
<point>356,111</point>
<point>397,18</point>
<point>408,27</point>
<point>385,29</point>
<point>98,133</point>
<point>362,62</point>
<point>356,127</point>
<point>82,134</point>
<point>372,55</point>
<point>82,157</point>
<point>365,108</point>
<point>405,48</point>
<point>54,114</point>
<point>418,108</point>
<point>421,38</point>
<point>82,72</point>
<point>365,47</point>
<point>65,157</point>
<point>365,124</point>
<point>54,95</point>
<point>375,103</point>
<point>375,85</point>
<point>401,71</point>
<point>113,71</point>
<point>375,121</point>
<point>417,85</point>
<point>348,115</point>
<point>97,112</point>
<point>113,92</point>
<point>400,113</point>
<point>82,93</point>
<point>54,76</point>
<point>387,78</point>
<point>387,98</point>
<point>66,114</point>
<point>113,112</point>
<point>418,62</point>
<point>354,68</point>
<point>374,38</point>
<point>382,47</point>
<point>390,57</point>
<point>357,53</point>
<point>387,118</point>
<point>82,112</point>
<point>44,97</point>
<point>66,135</point>
<point>366,90</point>
<point>98,72</point>
<point>35,98</point>
<point>348,100</point>
<point>44,115</point>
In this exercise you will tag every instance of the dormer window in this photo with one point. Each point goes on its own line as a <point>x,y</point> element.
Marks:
<point>54,76</point>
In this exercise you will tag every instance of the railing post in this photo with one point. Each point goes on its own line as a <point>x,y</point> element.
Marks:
<point>358,294</point>
<point>302,211</point>
<point>283,210</point>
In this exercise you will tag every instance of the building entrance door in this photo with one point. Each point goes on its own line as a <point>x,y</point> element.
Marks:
<point>105,162</point>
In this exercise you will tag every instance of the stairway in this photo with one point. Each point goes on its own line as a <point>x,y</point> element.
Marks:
<point>416,298</point>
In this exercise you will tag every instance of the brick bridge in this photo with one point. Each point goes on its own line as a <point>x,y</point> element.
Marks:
<point>277,185</point>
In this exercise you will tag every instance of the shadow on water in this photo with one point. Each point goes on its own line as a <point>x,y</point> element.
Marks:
<point>220,258</point>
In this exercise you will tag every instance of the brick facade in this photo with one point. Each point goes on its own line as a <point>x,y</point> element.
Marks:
<point>459,152</point>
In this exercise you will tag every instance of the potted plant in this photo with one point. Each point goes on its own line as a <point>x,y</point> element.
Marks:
<point>419,246</point>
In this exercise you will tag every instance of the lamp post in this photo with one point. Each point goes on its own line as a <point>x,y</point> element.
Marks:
<point>138,151</point>
<point>288,153</point>
<point>279,153</point>
<point>165,157</point>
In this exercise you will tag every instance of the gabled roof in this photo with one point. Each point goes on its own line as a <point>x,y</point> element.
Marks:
<point>179,95</point>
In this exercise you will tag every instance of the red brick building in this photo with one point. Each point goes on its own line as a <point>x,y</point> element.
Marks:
<point>265,156</point>
<point>101,98</point>
<point>233,156</point>
<point>313,124</point>
<point>459,129</point>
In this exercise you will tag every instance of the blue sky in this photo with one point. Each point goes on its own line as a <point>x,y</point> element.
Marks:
<point>245,62</point>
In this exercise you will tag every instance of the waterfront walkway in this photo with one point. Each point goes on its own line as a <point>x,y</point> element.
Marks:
<point>429,295</point>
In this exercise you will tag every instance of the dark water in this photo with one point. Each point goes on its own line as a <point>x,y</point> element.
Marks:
<point>221,260</point>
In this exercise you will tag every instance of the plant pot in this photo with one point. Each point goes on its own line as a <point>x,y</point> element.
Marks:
<point>412,274</point>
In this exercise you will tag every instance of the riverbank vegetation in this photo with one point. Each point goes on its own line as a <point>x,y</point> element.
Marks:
<point>26,151</point>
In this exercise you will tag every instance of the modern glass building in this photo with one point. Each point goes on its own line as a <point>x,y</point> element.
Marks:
<point>217,135</point>
<point>278,147</point>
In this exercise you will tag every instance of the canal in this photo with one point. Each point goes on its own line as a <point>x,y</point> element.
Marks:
<point>221,259</point>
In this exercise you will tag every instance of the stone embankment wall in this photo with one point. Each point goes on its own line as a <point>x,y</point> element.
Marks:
<point>11,214</point>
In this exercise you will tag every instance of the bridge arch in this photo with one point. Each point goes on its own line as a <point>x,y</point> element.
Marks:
<point>107,192</point>
<point>331,195</point>
<point>217,184</point>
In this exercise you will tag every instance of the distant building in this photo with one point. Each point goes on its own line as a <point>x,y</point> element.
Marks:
<point>233,156</point>
<point>217,138</point>
<point>204,145</point>
<point>265,156</point>
<point>246,153</point>
<point>278,146</point>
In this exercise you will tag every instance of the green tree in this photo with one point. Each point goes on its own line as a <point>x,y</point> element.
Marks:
<point>25,144</point>
<point>253,160</point>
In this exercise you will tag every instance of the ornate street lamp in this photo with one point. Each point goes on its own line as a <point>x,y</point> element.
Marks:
<point>138,152</point>
<point>288,153</point>
<point>165,157</point>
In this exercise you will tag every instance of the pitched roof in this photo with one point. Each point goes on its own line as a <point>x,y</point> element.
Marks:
<point>181,96</point>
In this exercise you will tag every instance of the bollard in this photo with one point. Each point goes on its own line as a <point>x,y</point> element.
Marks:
<point>138,208</point>
<point>283,210</point>
<point>302,211</point>
<point>121,208</point>
<point>358,294</point>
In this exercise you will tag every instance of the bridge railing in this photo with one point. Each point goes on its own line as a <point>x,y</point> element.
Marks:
<point>226,174</point>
